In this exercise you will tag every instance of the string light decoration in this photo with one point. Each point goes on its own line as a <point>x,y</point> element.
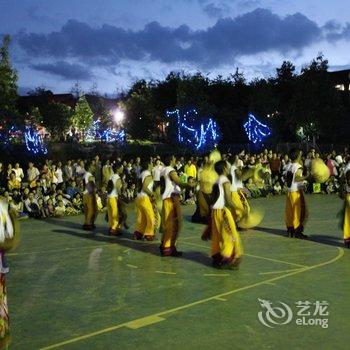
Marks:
<point>96,132</point>
<point>256,131</point>
<point>204,135</point>
<point>34,141</point>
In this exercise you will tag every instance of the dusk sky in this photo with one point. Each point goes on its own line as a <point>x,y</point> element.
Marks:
<point>114,42</point>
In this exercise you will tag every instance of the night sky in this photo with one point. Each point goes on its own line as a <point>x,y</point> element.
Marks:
<point>111,43</point>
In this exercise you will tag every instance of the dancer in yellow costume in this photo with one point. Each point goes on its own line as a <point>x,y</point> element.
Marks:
<point>207,178</point>
<point>346,217</point>
<point>226,246</point>
<point>147,216</point>
<point>241,204</point>
<point>89,202</point>
<point>171,211</point>
<point>9,239</point>
<point>113,189</point>
<point>295,210</point>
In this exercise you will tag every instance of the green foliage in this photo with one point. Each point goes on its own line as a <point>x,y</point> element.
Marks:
<point>56,118</point>
<point>83,117</point>
<point>8,79</point>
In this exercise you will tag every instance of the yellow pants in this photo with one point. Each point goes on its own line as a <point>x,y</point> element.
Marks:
<point>171,223</point>
<point>90,208</point>
<point>242,207</point>
<point>346,222</point>
<point>295,211</point>
<point>225,240</point>
<point>113,213</point>
<point>147,217</point>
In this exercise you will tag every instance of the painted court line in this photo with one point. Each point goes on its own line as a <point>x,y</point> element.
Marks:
<point>276,272</point>
<point>166,272</point>
<point>141,322</point>
<point>132,266</point>
<point>216,274</point>
<point>252,256</point>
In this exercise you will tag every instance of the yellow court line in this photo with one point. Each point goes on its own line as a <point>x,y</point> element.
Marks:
<point>276,272</point>
<point>166,272</point>
<point>198,302</point>
<point>132,266</point>
<point>253,256</point>
<point>216,274</point>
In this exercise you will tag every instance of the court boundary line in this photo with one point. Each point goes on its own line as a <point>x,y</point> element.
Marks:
<point>130,324</point>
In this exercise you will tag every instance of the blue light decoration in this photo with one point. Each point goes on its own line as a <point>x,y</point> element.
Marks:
<point>34,141</point>
<point>96,132</point>
<point>256,131</point>
<point>194,131</point>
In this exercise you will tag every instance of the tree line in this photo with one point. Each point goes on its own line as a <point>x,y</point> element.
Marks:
<point>295,105</point>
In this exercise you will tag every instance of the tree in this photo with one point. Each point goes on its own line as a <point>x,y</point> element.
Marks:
<point>83,117</point>
<point>57,119</point>
<point>8,79</point>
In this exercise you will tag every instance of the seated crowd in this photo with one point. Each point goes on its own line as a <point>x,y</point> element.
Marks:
<point>54,189</point>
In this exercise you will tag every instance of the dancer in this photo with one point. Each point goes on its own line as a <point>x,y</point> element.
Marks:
<point>346,217</point>
<point>295,210</point>
<point>207,179</point>
<point>226,246</point>
<point>9,239</point>
<point>241,204</point>
<point>113,209</point>
<point>147,216</point>
<point>171,211</point>
<point>89,202</point>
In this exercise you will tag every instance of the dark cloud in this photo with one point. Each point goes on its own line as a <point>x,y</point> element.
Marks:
<point>254,32</point>
<point>215,11</point>
<point>335,31</point>
<point>65,70</point>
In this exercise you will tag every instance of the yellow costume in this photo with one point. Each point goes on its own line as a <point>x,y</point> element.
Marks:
<point>147,216</point>
<point>208,178</point>
<point>242,207</point>
<point>112,208</point>
<point>295,210</point>
<point>171,214</point>
<point>171,224</point>
<point>226,245</point>
<point>346,221</point>
<point>9,239</point>
<point>90,210</point>
<point>89,202</point>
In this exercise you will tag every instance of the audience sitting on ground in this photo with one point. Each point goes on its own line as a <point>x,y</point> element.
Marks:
<point>54,189</point>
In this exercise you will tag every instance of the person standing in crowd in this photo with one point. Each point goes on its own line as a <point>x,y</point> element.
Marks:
<point>19,172</point>
<point>113,189</point>
<point>59,175</point>
<point>190,169</point>
<point>107,172</point>
<point>275,166</point>
<point>156,171</point>
<point>226,246</point>
<point>68,171</point>
<point>33,175</point>
<point>89,201</point>
<point>98,171</point>
<point>295,210</point>
<point>147,216</point>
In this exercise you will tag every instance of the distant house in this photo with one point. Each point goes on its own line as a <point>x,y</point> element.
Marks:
<point>341,79</point>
